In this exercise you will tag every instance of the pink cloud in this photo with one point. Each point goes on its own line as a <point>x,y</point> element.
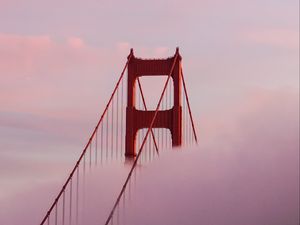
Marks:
<point>123,46</point>
<point>260,114</point>
<point>17,40</point>
<point>75,42</point>
<point>145,52</point>
<point>35,64</point>
<point>19,53</point>
<point>161,51</point>
<point>283,38</point>
<point>29,55</point>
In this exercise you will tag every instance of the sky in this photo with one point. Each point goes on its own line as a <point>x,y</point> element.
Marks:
<point>59,62</point>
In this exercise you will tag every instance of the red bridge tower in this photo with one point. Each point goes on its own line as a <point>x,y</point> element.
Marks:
<point>138,119</point>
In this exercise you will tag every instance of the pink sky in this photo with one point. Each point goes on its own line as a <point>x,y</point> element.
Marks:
<point>59,61</point>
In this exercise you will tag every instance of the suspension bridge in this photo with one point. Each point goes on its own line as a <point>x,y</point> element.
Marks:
<point>128,130</point>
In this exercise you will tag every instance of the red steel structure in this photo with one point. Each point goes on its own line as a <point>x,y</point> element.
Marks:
<point>139,119</point>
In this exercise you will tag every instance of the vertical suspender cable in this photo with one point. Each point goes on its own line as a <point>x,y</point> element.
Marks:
<point>169,107</point>
<point>63,212</point>
<point>163,130</point>
<point>77,195</point>
<point>139,133</point>
<point>165,133</point>
<point>83,186</point>
<point>189,108</point>
<point>122,108</point>
<point>96,146</point>
<point>90,155</point>
<point>118,215</point>
<point>183,119</point>
<point>112,130</point>
<point>70,212</point>
<point>107,135</point>
<point>187,123</point>
<point>101,144</point>
<point>84,165</point>
<point>56,214</point>
<point>189,132</point>
<point>117,127</point>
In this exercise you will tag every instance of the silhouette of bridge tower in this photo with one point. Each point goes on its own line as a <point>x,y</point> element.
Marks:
<point>138,119</point>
